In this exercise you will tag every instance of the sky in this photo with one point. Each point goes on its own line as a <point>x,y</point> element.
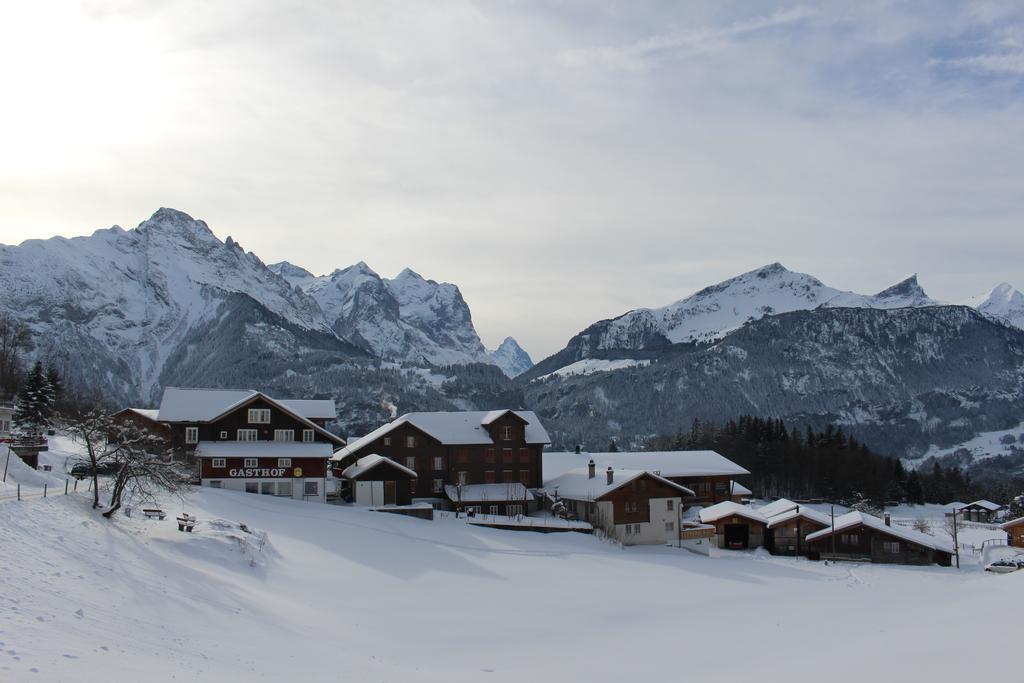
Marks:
<point>562,162</point>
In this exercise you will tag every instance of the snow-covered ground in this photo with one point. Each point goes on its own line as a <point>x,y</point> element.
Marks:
<point>343,593</point>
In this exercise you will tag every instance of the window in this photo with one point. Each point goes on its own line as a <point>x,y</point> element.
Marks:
<point>387,440</point>
<point>475,509</point>
<point>307,436</point>
<point>514,510</point>
<point>259,416</point>
<point>463,478</point>
<point>410,442</point>
<point>191,434</point>
<point>489,476</point>
<point>631,506</point>
<point>247,435</point>
<point>524,455</point>
<point>848,539</point>
<point>252,487</point>
<point>891,547</point>
<point>438,485</point>
<point>507,477</point>
<point>251,462</point>
<point>438,463</point>
<point>284,488</point>
<point>215,484</point>
<point>223,435</point>
<point>524,477</point>
<point>268,488</point>
<point>284,462</point>
<point>670,504</point>
<point>284,435</point>
<point>412,486</point>
<point>492,510</point>
<point>506,433</point>
<point>489,456</point>
<point>219,462</point>
<point>311,489</point>
<point>410,462</point>
<point>506,455</point>
<point>670,526</point>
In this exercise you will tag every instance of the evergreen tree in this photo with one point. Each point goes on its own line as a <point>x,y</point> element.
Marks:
<point>613,447</point>
<point>56,383</point>
<point>35,404</point>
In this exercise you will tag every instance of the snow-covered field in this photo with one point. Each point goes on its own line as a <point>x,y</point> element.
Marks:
<point>342,593</point>
<point>984,445</point>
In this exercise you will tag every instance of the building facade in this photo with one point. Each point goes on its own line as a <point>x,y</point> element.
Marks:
<point>269,468</point>
<point>862,537</point>
<point>375,480</point>
<point>737,526</point>
<point>457,448</point>
<point>1014,532</point>
<point>634,507</point>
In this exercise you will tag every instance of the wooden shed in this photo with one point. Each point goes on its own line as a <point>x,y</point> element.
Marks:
<point>737,527</point>
<point>376,480</point>
<point>862,537</point>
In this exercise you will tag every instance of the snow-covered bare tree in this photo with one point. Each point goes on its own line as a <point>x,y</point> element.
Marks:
<point>134,455</point>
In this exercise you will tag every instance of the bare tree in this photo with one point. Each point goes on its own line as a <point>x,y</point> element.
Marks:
<point>15,340</point>
<point>135,457</point>
<point>142,468</point>
<point>921,524</point>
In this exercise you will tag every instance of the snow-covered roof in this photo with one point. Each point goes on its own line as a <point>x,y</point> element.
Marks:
<point>482,493</point>
<point>198,405</point>
<point>728,509</point>
<point>578,485</point>
<point>801,511</point>
<point>739,489</point>
<point>312,408</point>
<point>368,462</point>
<point>664,463</point>
<point>148,413</point>
<point>985,504</point>
<point>1012,523</point>
<point>857,518</point>
<point>262,449</point>
<point>455,428</point>
<point>777,507</point>
<point>956,505</point>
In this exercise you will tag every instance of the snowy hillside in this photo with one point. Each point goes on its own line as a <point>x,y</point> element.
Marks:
<point>511,358</point>
<point>1003,303</point>
<point>408,318</point>
<point>85,599</point>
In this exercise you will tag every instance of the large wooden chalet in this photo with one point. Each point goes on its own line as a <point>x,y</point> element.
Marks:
<point>708,474</point>
<point>635,507</point>
<point>461,449</point>
<point>863,537</point>
<point>248,441</point>
<point>1014,532</point>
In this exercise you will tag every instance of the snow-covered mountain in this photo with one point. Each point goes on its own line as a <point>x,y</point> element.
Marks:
<point>127,305</point>
<point>1003,303</point>
<point>715,311</point>
<point>511,358</point>
<point>126,312</point>
<point>409,318</point>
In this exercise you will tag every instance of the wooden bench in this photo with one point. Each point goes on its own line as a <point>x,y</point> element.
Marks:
<point>186,522</point>
<point>154,512</point>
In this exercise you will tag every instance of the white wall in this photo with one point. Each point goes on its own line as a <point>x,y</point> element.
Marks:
<point>298,486</point>
<point>653,532</point>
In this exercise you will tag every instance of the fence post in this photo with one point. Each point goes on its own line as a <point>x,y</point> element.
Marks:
<point>19,490</point>
<point>76,485</point>
<point>44,490</point>
<point>65,487</point>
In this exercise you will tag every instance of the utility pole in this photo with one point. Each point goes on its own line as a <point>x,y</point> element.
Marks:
<point>833,533</point>
<point>7,463</point>
<point>956,542</point>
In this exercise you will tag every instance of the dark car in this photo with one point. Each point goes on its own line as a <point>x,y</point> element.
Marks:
<point>83,469</point>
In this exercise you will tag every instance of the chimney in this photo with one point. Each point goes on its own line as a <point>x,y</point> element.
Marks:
<point>591,469</point>
<point>611,475</point>
<point>888,520</point>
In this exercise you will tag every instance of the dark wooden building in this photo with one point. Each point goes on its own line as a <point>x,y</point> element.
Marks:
<point>248,441</point>
<point>737,526</point>
<point>376,480</point>
<point>787,532</point>
<point>983,511</point>
<point>141,418</point>
<point>445,448</point>
<point>862,537</point>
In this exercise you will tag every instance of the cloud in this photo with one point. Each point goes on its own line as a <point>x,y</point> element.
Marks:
<point>1006,63</point>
